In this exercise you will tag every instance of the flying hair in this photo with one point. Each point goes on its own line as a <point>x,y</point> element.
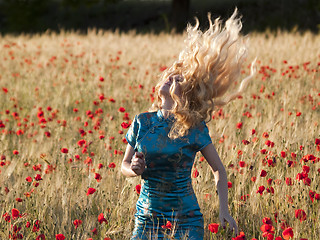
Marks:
<point>209,64</point>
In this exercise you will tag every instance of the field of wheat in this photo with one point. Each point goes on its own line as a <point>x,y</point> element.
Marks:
<point>67,99</point>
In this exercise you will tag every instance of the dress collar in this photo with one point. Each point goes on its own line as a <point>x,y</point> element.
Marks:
<point>161,118</point>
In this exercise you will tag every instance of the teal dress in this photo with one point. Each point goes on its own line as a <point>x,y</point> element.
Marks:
<point>166,188</point>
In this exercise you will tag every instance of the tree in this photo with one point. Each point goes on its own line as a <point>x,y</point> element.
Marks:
<point>179,14</point>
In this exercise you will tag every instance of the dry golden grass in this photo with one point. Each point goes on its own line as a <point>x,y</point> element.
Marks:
<point>63,72</point>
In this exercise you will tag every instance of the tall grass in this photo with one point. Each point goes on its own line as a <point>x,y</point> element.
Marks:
<point>58,89</point>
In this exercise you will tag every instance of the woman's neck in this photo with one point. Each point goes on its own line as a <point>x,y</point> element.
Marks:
<point>166,107</point>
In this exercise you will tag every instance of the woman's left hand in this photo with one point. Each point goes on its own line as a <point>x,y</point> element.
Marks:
<point>225,216</point>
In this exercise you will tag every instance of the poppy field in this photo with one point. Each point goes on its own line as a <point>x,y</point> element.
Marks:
<point>67,100</point>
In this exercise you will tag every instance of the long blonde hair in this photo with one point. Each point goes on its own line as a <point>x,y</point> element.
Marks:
<point>209,64</point>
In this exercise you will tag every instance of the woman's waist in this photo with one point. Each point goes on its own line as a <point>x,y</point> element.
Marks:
<point>170,188</point>
<point>179,206</point>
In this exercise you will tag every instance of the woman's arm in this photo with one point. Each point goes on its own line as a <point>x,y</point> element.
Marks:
<point>220,175</point>
<point>133,163</point>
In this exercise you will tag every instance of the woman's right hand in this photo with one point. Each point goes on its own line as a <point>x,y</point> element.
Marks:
<point>138,163</point>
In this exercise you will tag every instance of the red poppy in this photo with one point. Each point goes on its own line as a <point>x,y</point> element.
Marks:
<point>81,142</point>
<point>122,109</point>
<point>241,236</point>
<point>7,217</point>
<point>283,154</point>
<point>239,125</point>
<point>269,143</point>
<point>261,189</point>
<point>229,184</point>
<point>213,227</point>
<point>287,233</point>
<point>94,231</point>
<point>15,213</point>
<point>289,181</point>
<point>77,223</point>
<point>15,152</point>
<point>245,142</point>
<point>101,219</point>
<point>60,237</point>
<point>301,215</point>
<point>263,173</point>
<point>112,165</point>
<point>97,176</point>
<point>36,226</point>
<point>242,164</point>
<point>90,191</point>
<point>305,169</point>
<point>271,162</point>
<point>270,190</point>
<point>41,237</point>
<point>267,228</point>
<point>88,161</point>
<point>268,236</point>
<point>263,151</point>
<point>20,132</point>
<point>167,226</point>
<point>267,220</point>
<point>125,125</point>
<point>64,150</point>
<point>307,181</point>
<point>195,173</point>
<point>28,179</point>
<point>138,188</point>
<point>317,141</point>
<point>38,177</point>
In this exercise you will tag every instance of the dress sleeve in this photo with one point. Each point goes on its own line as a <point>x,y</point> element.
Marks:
<point>131,135</point>
<point>203,138</point>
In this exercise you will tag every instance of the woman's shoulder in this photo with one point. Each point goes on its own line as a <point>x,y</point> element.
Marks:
<point>146,118</point>
<point>146,115</point>
<point>199,129</point>
<point>200,126</point>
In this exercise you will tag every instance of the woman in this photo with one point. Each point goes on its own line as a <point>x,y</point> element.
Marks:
<point>162,143</point>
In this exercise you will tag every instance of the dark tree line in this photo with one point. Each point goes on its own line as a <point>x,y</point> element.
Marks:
<point>39,15</point>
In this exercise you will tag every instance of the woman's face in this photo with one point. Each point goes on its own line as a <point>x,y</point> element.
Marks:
<point>166,85</point>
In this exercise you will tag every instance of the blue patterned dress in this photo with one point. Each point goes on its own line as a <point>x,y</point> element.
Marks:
<point>166,189</point>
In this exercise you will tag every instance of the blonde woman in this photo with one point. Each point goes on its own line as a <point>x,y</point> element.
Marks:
<point>162,143</point>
